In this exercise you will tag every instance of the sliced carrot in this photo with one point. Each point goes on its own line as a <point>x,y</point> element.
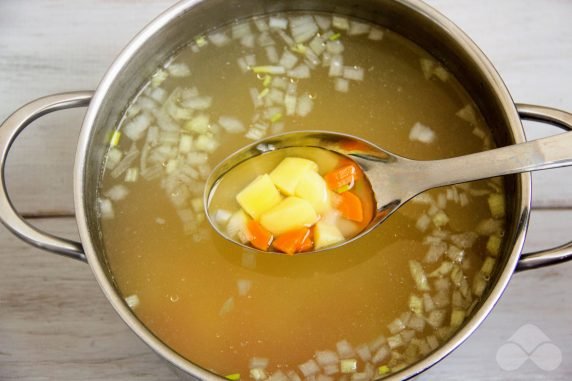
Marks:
<point>350,206</point>
<point>260,237</point>
<point>291,242</point>
<point>342,178</point>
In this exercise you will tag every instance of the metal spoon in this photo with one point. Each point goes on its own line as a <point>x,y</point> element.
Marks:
<point>394,179</point>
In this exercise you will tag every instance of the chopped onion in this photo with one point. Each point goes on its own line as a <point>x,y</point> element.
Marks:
<point>377,343</point>
<point>395,341</point>
<point>376,34</point>
<point>427,66</point>
<point>309,368</point>
<point>381,354</point>
<point>317,45</point>
<point>117,192</point>
<point>417,323</point>
<point>264,39</point>
<point>497,205</point>
<point>422,133</point>
<point>435,252</point>
<point>132,301</point>
<point>227,307</point>
<point>272,54</point>
<point>106,209</point>
<point>418,275</point>
<point>363,352</point>
<point>464,240</point>
<point>219,39</point>
<point>257,374</point>
<point>231,125</point>
<point>179,70</point>
<point>288,60</point>
<point>436,318</point>
<point>335,47</point>
<point>323,22</point>
<point>354,73</point>
<point>345,349</point>
<point>300,72</point>
<point>131,175</point>
<point>240,30</point>
<point>396,326</point>
<point>276,22</point>
<point>303,28</point>
<point>457,317</point>
<point>326,358</point>
<point>258,362</point>
<point>261,24</point>
<point>135,128</point>
<point>198,102</point>
<point>423,222</point>
<point>489,227</point>
<point>293,376</point>
<point>331,369</point>
<point>428,303</point>
<point>340,22</point>
<point>336,66</point>
<point>304,105</point>
<point>342,85</point>
<point>468,114</point>
<point>433,342</point>
<point>441,73</point>
<point>358,28</point>
<point>125,163</point>
<point>416,304</point>
<point>278,376</point>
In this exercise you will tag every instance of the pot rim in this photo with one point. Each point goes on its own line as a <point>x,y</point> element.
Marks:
<point>522,210</point>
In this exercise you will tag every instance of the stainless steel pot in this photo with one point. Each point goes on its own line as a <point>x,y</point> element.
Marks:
<point>176,26</point>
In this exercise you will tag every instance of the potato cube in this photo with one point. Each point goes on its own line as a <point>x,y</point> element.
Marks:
<point>289,172</point>
<point>259,196</point>
<point>326,235</point>
<point>313,188</point>
<point>291,213</point>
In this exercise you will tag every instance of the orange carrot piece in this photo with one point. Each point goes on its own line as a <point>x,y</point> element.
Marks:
<point>343,178</point>
<point>291,242</point>
<point>350,206</point>
<point>260,237</point>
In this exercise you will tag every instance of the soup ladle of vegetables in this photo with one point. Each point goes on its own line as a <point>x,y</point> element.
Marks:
<point>309,191</point>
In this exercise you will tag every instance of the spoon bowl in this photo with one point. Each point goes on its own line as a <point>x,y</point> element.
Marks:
<point>394,180</point>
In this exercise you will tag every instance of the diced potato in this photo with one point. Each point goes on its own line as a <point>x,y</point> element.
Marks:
<point>289,172</point>
<point>326,235</point>
<point>313,188</point>
<point>259,196</point>
<point>291,213</point>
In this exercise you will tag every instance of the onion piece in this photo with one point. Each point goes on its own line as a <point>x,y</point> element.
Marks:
<point>106,209</point>
<point>340,22</point>
<point>272,54</point>
<point>422,133</point>
<point>345,349</point>
<point>299,72</point>
<point>342,85</point>
<point>325,358</point>
<point>375,34</point>
<point>358,28</point>
<point>269,69</point>
<point>117,192</point>
<point>418,275</point>
<point>276,22</point>
<point>309,368</point>
<point>132,301</point>
<point>231,125</point>
<point>323,22</point>
<point>179,70</point>
<point>219,39</point>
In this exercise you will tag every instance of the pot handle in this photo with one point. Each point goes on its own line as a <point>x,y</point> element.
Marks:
<point>561,253</point>
<point>9,131</point>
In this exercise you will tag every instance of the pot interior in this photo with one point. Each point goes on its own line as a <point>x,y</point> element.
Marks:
<point>413,20</point>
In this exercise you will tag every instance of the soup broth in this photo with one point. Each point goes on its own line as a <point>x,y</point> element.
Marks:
<point>358,312</point>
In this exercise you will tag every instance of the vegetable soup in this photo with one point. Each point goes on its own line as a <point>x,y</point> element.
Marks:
<point>357,312</point>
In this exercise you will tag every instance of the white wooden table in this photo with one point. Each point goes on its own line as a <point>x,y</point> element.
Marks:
<point>55,324</point>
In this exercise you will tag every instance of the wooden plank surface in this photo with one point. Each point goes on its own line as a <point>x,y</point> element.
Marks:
<point>55,324</point>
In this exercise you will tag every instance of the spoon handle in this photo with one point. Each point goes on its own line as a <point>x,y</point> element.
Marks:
<point>545,153</point>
